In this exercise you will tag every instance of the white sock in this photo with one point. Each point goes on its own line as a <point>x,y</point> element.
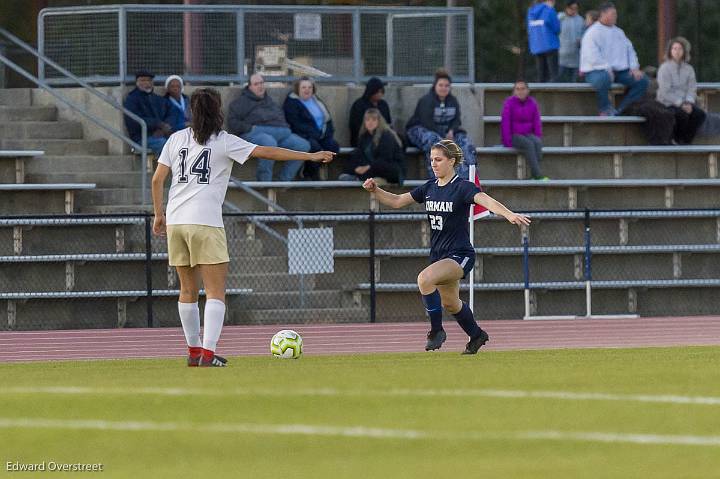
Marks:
<point>214,319</point>
<point>190,319</point>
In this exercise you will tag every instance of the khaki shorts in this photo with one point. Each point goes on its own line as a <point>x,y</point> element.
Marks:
<point>190,245</point>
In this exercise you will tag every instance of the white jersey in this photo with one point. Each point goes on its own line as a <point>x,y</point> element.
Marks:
<point>200,175</point>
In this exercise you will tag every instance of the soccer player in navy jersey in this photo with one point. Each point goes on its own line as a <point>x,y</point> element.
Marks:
<point>447,200</point>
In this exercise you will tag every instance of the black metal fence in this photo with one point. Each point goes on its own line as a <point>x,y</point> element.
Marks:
<point>109,271</point>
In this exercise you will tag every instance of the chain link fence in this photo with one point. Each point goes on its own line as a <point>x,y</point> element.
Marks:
<point>227,43</point>
<point>107,272</point>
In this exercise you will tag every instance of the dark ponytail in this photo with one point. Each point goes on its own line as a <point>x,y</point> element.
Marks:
<point>207,116</point>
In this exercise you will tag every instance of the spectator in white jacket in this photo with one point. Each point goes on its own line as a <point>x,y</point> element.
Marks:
<point>607,55</point>
<point>677,90</point>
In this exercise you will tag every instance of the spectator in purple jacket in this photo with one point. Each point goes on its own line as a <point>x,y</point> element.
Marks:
<point>521,129</point>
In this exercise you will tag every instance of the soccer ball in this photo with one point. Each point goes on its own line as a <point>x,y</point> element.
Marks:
<point>286,344</point>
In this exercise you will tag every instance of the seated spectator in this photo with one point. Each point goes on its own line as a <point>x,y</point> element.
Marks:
<point>437,117</point>
<point>571,32</point>
<point>309,118</point>
<point>607,55</point>
<point>179,103</point>
<point>677,90</point>
<point>659,121</point>
<point>372,98</point>
<point>152,109</point>
<point>378,154</point>
<point>520,127</point>
<point>543,29</point>
<point>256,118</point>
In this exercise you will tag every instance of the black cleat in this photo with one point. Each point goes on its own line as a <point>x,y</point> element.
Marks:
<point>193,361</point>
<point>435,339</point>
<point>215,362</point>
<point>475,343</point>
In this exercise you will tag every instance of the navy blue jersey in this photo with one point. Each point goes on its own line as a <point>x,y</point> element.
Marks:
<point>448,211</point>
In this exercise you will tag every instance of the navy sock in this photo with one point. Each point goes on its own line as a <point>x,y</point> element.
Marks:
<point>433,306</point>
<point>466,320</point>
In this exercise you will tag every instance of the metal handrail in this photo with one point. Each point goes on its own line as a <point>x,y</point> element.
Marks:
<point>140,147</point>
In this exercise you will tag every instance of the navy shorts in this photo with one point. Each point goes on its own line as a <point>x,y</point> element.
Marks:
<point>465,259</point>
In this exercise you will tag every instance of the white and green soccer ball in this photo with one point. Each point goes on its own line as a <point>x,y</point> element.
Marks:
<point>286,344</point>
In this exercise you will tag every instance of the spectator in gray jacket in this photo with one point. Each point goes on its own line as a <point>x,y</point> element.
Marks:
<point>571,32</point>
<point>255,117</point>
<point>677,90</point>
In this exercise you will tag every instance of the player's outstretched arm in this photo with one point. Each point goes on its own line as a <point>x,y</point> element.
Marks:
<point>158,182</point>
<point>498,208</point>
<point>385,197</point>
<point>283,154</point>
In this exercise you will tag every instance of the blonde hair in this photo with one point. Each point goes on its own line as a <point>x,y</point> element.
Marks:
<point>381,128</point>
<point>451,150</point>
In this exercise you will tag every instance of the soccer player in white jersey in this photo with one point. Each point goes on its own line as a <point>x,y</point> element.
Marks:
<point>447,200</point>
<point>200,159</point>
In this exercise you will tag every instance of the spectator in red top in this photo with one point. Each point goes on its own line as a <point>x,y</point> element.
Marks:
<point>521,129</point>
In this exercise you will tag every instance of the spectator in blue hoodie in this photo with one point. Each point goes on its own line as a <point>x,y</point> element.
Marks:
<point>543,36</point>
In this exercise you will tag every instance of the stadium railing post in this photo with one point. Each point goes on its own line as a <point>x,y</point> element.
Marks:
<point>588,266</point>
<point>148,269</point>
<point>526,273</point>
<point>371,239</point>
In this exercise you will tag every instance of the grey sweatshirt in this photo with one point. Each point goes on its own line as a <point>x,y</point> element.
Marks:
<point>249,110</point>
<point>571,30</point>
<point>676,83</point>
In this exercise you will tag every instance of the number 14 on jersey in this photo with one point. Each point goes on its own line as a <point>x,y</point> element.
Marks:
<point>200,166</point>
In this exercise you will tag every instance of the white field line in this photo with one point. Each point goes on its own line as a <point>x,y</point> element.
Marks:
<point>355,431</point>
<point>491,393</point>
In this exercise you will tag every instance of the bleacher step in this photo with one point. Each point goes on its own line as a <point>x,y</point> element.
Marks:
<point>28,113</point>
<point>41,130</point>
<point>58,147</point>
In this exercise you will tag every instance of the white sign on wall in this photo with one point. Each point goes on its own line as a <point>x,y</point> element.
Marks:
<point>308,26</point>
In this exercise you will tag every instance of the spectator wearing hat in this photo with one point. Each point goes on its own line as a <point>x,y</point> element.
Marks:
<point>152,108</point>
<point>372,98</point>
<point>572,27</point>
<point>178,103</point>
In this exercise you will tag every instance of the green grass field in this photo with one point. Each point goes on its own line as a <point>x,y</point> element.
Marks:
<point>561,413</point>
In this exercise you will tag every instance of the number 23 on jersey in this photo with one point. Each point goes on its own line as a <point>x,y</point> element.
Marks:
<point>436,222</point>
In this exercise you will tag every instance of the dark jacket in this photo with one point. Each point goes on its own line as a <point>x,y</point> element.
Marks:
<point>301,121</point>
<point>249,110</point>
<point>177,118</point>
<point>387,157</point>
<point>150,107</point>
<point>433,115</point>
<point>362,104</point>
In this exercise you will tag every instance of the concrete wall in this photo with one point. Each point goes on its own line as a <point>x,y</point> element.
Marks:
<point>339,99</point>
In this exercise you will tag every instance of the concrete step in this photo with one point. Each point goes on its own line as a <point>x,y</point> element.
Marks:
<point>113,209</point>
<point>587,134</point>
<point>41,130</point>
<point>299,316</point>
<point>295,300</point>
<point>104,179</point>
<point>89,276</point>
<point>32,202</point>
<point>549,102</point>
<point>28,113</point>
<point>79,163</point>
<point>261,281</point>
<point>58,147</point>
<point>599,166</point>
<point>16,97</point>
